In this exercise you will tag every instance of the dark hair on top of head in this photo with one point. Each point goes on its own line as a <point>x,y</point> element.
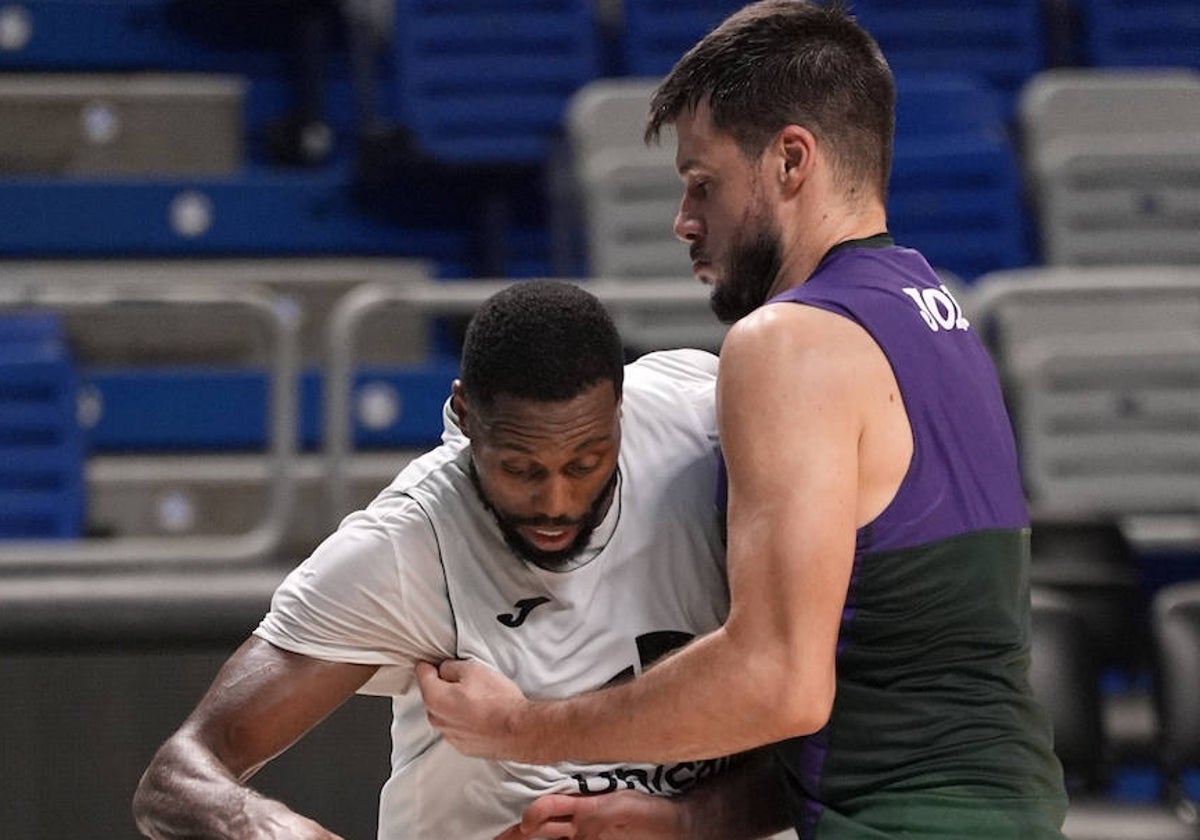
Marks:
<point>542,340</point>
<point>782,62</point>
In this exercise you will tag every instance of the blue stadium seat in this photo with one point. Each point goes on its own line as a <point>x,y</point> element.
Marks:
<point>184,35</point>
<point>1001,41</point>
<point>256,212</point>
<point>41,461</point>
<point>657,32</point>
<point>487,81</point>
<point>956,191</point>
<point>158,409</point>
<point>254,39</point>
<point>1141,33</point>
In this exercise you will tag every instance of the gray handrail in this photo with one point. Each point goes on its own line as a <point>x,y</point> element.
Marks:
<point>460,297</point>
<point>999,287</point>
<point>256,544</point>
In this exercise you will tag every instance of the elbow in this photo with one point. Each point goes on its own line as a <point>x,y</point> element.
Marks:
<point>162,792</point>
<point>793,698</point>
<point>789,681</point>
<point>149,796</point>
<point>806,710</point>
<point>816,709</point>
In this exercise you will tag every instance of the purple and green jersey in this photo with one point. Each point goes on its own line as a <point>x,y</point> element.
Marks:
<point>934,731</point>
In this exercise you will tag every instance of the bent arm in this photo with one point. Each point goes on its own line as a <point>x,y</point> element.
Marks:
<point>789,409</point>
<point>260,703</point>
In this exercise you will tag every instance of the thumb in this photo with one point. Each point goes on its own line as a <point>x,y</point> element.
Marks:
<point>427,677</point>
<point>451,670</point>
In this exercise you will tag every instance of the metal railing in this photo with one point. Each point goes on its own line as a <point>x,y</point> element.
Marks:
<point>133,551</point>
<point>428,298</point>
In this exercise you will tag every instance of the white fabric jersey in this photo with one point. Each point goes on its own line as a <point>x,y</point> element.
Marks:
<point>423,573</point>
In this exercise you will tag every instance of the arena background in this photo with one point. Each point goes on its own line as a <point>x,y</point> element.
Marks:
<point>239,240</point>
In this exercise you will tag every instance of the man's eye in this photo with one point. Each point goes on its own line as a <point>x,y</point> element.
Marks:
<point>581,469</point>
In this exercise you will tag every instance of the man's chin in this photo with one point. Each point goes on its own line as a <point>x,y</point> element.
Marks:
<point>726,310</point>
<point>550,560</point>
<point>553,559</point>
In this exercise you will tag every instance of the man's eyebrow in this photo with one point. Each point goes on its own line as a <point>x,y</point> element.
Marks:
<point>526,450</point>
<point>687,166</point>
<point>592,441</point>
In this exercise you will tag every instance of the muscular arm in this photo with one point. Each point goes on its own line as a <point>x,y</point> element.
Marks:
<point>261,702</point>
<point>791,392</point>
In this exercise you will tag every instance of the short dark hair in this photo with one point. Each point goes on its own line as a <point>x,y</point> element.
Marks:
<point>542,340</point>
<point>781,62</point>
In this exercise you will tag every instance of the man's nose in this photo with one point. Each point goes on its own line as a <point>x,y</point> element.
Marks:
<point>687,225</point>
<point>555,497</point>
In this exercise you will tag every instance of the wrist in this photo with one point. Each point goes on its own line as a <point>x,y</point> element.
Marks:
<point>520,722</point>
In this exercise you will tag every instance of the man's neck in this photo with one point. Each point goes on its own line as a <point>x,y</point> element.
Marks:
<point>805,250</point>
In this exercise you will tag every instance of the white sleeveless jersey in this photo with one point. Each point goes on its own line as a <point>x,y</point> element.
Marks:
<point>424,574</point>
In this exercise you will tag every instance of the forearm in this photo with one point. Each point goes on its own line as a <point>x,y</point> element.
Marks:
<point>743,803</point>
<point>187,792</point>
<point>715,697</point>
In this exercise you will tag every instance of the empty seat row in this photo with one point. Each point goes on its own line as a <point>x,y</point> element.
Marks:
<point>454,68</point>
<point>1066,678</point>
<point>1103,169</point>
<point>1112,161</point>
<point>955,191</point>
<point>468,86</point>
<point>191,410</point>
<point>1101,368</point>
<point>179,387</point>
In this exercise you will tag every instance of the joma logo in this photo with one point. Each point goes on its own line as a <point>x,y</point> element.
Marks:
<point>523,608</point>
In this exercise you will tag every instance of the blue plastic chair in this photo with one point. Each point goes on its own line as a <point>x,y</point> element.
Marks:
<point>1001,41</point>
<point>487,81</point>
<point>1141,33</point>
<point>956,189</point>
<point>41,454</point>
<point>657,32</point>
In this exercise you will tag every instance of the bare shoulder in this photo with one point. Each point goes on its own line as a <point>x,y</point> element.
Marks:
<point>799,343</point>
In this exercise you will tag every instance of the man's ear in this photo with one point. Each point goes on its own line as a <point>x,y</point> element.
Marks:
<point>796,150</point>
<point>458,404</point>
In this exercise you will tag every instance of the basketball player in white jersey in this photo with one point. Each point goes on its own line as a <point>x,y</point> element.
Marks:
<point>565,534</point>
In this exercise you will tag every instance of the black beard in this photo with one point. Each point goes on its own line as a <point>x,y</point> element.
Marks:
<point>551,561</point>
<point>750,276</point>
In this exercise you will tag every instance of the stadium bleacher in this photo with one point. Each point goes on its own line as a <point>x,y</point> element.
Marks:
<point>148,504</point>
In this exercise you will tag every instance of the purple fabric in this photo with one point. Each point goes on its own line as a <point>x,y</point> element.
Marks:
<point>964,474</point>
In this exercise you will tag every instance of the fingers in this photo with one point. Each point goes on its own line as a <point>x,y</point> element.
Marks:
<point>426,674</point>
<point>549,830</point>
<point>549,817</point>
<point>449,670</point>
<point>552,806</point>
